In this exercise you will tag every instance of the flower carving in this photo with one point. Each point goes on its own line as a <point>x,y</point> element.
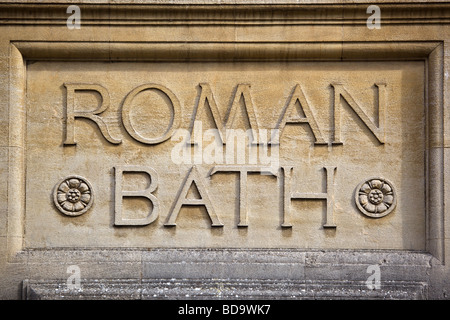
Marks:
<point>375,197</point>
<point>73,196</point>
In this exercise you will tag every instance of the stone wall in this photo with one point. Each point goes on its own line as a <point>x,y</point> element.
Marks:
<point>224,149</point>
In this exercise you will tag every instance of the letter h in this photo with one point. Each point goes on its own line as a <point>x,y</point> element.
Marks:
<point>288,195</point>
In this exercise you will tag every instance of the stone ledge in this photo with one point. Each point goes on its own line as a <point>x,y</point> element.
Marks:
<point>226,255</point>
<point>227,274</point>
<point>211,2</point>
<point>96,289</point>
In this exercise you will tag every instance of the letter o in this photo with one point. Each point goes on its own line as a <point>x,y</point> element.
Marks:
<point>126,108</point>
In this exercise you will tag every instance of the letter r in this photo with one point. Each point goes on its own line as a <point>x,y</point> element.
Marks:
<point>72,114</point>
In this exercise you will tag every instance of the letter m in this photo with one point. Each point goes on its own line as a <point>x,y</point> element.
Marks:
<point>377,131</point>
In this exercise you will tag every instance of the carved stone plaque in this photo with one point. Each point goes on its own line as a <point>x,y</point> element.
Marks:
<point>224,149</point>
<point>226,154</point>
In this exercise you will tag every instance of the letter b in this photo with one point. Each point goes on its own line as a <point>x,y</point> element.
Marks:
<point>147,193</point>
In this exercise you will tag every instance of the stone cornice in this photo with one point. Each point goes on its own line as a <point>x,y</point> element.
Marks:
<point>228,13</point>
<point>224,51</point>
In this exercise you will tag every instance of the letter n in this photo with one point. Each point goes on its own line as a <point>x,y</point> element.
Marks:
<point>377,131</point>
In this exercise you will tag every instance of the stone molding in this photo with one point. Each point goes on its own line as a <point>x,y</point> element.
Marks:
<point>231,274</point>
<point>430,52</point>
<point>204,13</point>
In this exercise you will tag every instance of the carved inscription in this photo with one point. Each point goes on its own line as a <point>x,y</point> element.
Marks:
<point>174,121</point>
<point>206,100</point>
<point>297,154</point>
<point>119,194</point>
<point>374,198</point>
<point>72,114</point>
<point>289,115</point>
<point>194,178</point>
<point>328,196</point>
<point>377,131</point>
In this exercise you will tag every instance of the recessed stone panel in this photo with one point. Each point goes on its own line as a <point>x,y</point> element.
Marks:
<point>266,154</point>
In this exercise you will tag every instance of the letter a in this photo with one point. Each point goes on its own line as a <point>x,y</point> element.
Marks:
<point>287,116</point>
<point>192,177</point>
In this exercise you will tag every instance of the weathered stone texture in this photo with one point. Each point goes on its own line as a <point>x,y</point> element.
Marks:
<point>117,170</point>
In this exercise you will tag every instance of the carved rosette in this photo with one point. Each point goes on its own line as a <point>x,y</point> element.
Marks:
<point>73,196</point>
<point>375,197</point>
